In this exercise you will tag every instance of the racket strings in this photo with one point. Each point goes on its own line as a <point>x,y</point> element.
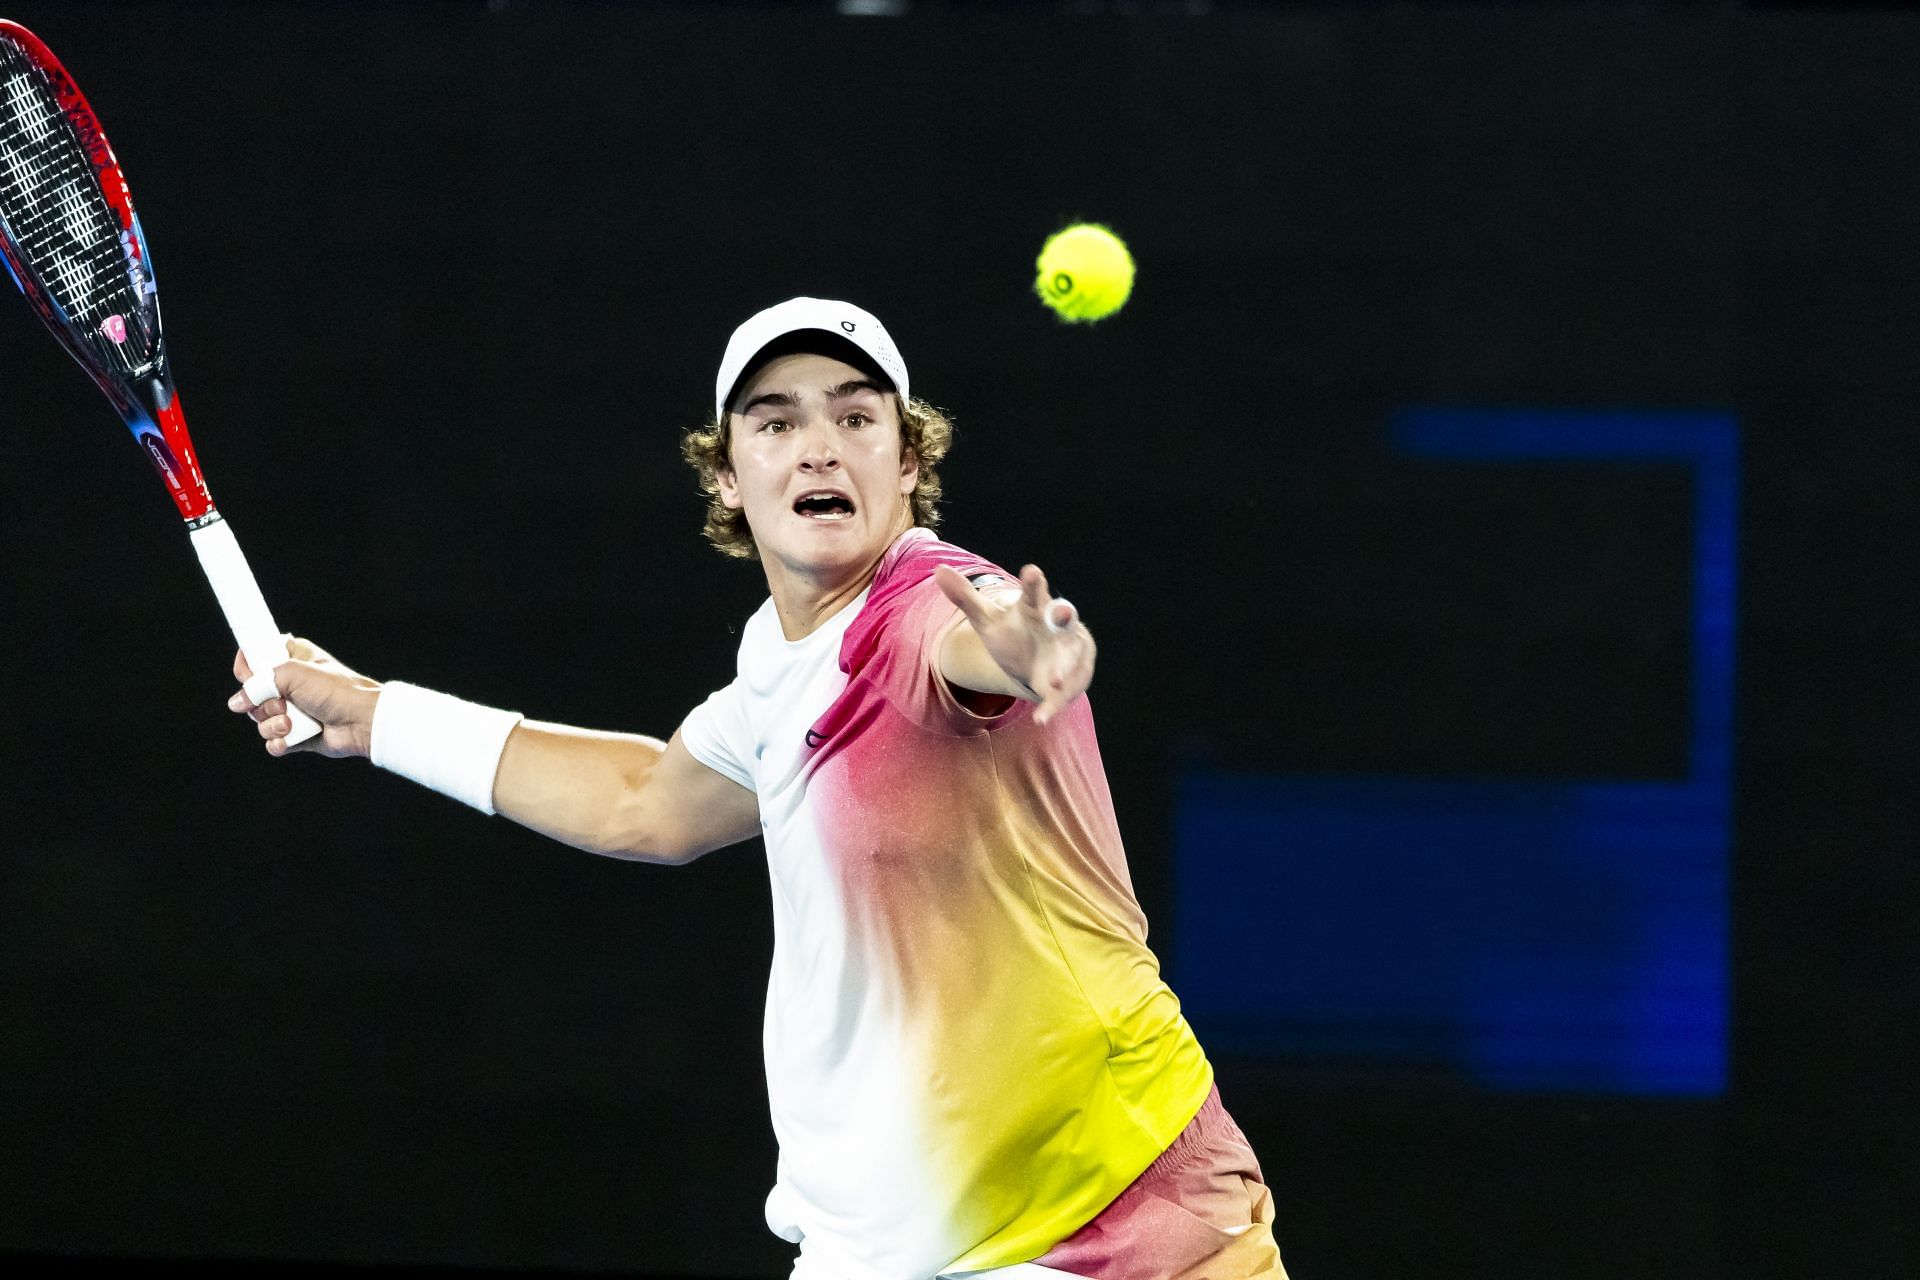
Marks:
<point>61,223</point>
<point>29,110</point>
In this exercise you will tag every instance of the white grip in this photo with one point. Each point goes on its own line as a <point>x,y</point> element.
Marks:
<point>246,611</point>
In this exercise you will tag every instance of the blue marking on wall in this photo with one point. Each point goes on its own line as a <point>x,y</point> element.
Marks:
<point>1558,935</point>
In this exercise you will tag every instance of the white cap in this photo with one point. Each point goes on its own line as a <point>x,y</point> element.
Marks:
<point>800,315</point>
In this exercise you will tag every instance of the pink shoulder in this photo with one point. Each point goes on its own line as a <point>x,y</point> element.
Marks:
<point>913,558</point>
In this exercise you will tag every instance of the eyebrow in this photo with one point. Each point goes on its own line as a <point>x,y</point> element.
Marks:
<point>783,400</point>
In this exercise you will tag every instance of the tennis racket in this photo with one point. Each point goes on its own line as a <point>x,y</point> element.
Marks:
<point>73,244</point>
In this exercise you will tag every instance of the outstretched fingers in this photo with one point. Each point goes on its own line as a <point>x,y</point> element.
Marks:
<point>1033,590</point>
<point>955,587</point>
<point>1067,658</point>
<point>1071,671</point>
<point>1060,614</point>
<point>1038,639</point>
<point>1056,612</point>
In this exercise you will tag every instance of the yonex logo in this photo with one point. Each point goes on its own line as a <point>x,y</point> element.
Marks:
<point>848,325</point>
<point>815,740</point>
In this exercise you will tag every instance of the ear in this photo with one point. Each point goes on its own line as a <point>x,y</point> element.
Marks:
<point>909,470</point>
<point>729,486</point>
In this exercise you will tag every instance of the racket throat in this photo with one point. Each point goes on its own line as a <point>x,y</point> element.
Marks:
<point>155,390</point>
<point>159,427</point>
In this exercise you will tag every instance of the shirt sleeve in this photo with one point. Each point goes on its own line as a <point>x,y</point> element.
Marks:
<point>718,735</point>
<point>905,663</point>
<point>894,645</point>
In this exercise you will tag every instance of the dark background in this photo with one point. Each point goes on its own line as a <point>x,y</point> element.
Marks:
<point>444,281</point>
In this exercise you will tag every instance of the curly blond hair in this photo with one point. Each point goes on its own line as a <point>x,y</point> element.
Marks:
<point>925,432</point>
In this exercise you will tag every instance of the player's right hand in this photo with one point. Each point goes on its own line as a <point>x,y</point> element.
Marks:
<point>340,698</point>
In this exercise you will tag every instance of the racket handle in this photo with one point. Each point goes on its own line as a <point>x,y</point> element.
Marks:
<point>253,629</point>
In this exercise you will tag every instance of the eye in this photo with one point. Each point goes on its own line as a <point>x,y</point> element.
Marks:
<point>774,424</point>
<point>857,419</point>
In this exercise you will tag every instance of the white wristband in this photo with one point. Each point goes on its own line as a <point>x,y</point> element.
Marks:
<point>441,741</point>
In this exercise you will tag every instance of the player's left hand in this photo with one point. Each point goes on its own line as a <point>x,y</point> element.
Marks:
<point>1037,638</point>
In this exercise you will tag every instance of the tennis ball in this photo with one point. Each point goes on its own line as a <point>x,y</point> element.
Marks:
<point>1084,272</point>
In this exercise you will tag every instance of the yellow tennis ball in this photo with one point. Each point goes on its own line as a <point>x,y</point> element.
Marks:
<point>1084,272</point>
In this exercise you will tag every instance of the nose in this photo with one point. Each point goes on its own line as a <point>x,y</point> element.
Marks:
<point>818,451</point>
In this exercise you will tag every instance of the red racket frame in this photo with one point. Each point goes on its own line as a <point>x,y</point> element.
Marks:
<point>149,405</point>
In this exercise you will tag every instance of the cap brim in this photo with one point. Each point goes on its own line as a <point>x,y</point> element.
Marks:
<point>819,342</point>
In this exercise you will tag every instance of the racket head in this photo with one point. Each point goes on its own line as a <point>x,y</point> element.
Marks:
<point>73,244</point>
<point>71,237</point>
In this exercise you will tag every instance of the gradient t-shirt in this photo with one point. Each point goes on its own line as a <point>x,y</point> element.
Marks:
<point>969,1047</point>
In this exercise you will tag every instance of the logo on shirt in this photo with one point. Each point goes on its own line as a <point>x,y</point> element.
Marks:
<point>815,740</point>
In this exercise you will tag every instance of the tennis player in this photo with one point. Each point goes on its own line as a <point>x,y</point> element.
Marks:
<point>973,1064</point>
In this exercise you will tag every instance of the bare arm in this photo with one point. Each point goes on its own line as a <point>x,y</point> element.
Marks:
<point>617,794</point>
<point>620,794</point>
<point>1020,644</point>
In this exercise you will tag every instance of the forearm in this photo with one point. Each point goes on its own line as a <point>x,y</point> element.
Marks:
<point>617,794</point>
<point>580,786</point>
<point>966,664</point>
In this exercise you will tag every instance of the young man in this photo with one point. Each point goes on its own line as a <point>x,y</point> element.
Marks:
<point>972,1061</point>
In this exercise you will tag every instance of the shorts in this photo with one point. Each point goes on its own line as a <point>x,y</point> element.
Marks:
<point>1199,1212</point>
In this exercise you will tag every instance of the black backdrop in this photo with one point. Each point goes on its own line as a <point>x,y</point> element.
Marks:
<point>443,283</point>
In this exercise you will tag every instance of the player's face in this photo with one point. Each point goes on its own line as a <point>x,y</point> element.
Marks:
<point>817,464</point>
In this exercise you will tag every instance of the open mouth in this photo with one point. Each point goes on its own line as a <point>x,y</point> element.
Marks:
<point>824,506</point>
